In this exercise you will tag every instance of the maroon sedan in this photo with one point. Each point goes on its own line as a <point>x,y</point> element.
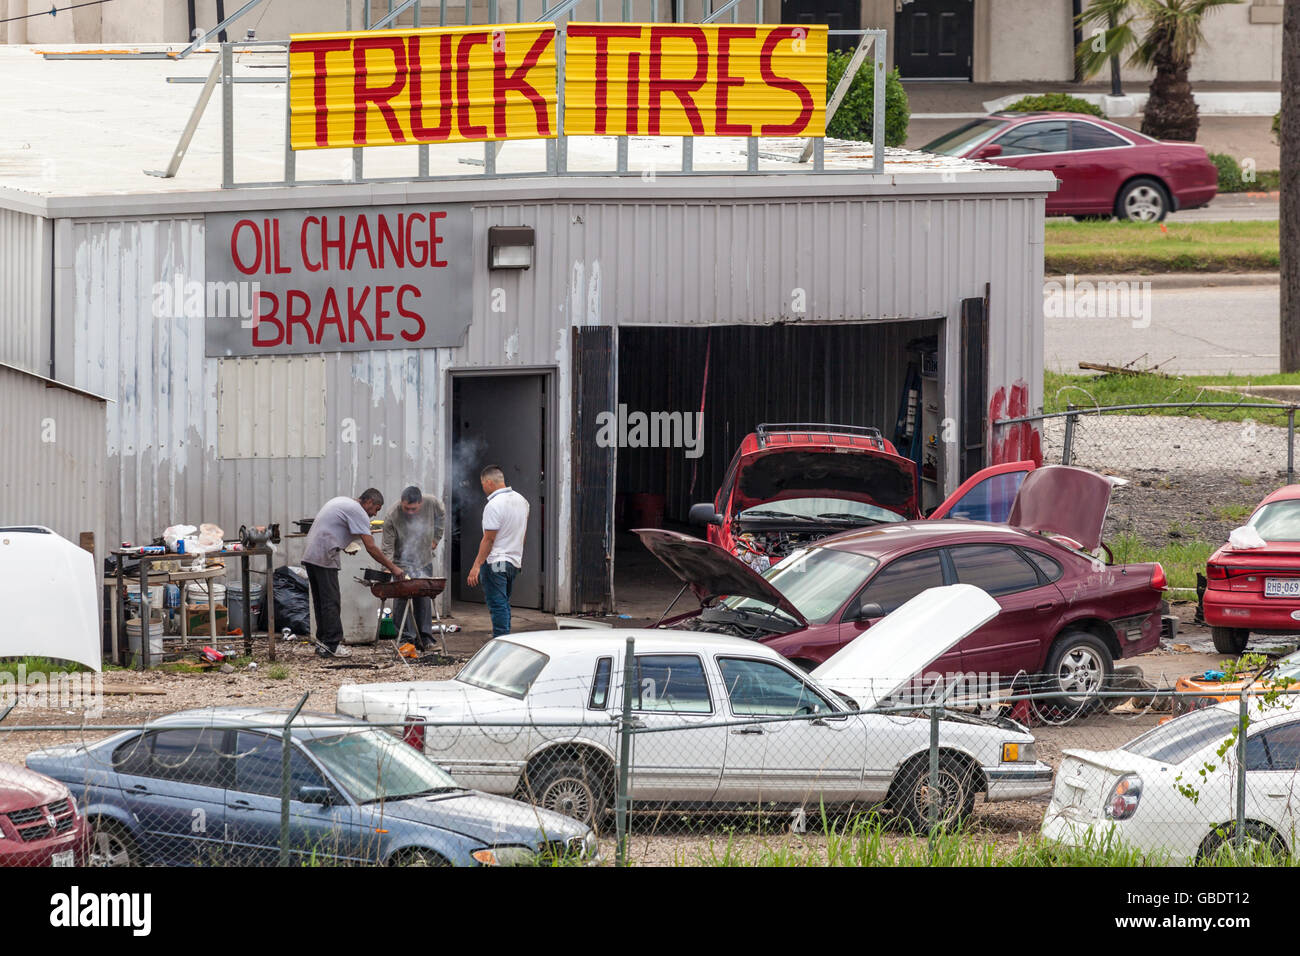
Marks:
<point>1104,169</point>
<point>39,822</point>
<point>1066,614</point>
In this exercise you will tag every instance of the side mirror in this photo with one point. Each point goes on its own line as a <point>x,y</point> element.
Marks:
<point>989,151</point>
<point>318,795</point>
<point>704,514</point>
<point>869,612</point>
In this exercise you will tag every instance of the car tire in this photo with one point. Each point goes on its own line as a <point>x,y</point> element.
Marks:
<point>910,793</point>
<point>111,845</point>
<point>1230,640</point>
<point>1079,665</point>
<point>1261,841</point>
<point>1142,200</point>
<point>570,786</point>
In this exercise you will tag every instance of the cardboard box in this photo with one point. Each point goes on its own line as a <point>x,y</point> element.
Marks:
<point>196,616</point>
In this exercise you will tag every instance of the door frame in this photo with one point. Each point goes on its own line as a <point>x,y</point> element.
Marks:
<point>550,446</point>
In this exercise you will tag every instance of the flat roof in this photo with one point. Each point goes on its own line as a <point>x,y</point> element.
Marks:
<point>82,132</point>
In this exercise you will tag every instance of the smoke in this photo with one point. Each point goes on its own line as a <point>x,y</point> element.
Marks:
<point>468,459</point>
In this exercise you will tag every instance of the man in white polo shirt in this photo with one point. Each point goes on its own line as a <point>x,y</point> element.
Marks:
<point>501,552</point>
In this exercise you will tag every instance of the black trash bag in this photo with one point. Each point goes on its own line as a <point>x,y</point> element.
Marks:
<point>292,601</point>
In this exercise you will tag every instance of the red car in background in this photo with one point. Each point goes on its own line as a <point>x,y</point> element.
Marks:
<point>39,822</point>
<point>1257,590</point>
<point>1066,614</point>
<point>1104,169</point>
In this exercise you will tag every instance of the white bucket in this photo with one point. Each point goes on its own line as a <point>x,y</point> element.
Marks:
<point>156,594</point>
<point>197,593</point>
<point>155,639</point>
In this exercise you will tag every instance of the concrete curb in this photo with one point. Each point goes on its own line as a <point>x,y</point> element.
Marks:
<point>1182,280</point>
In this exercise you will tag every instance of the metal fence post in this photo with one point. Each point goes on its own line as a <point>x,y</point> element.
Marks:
<point>1240,840</point>
<point>1067,455</point>
<point>286,744</point>
<point>936,712</point>
<point>1290,445</point>
<point>624,752</point>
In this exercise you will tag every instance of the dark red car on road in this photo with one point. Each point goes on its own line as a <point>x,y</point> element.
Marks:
<point>1257,589</point>
<point>39,822</point>
<point>1066,614</point>
<point>1104,169</point>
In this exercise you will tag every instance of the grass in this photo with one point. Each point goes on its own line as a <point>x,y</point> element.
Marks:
<point>39,665</point>
<point>867,841</point>
<point>1084,391</point>
<point>277,672</point>
<point>1236,513</point>
<point>1134,247</point>
<point>1182,560</point>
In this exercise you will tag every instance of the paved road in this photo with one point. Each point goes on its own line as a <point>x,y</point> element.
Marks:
<point>1193,331</point>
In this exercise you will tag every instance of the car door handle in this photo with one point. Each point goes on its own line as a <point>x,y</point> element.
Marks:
<point>1279,796</point>
<point>240,805</point>
<point>138,788</point>
<point>747,730</point>
<point>1045,606</point>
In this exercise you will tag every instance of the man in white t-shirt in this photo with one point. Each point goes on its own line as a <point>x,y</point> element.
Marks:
<point>501,552</point>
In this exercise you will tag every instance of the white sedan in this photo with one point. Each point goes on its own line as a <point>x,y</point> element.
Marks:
<point>536,714</point>
<point>1172,792</point>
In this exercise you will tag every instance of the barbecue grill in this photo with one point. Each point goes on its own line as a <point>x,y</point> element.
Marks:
<point>383,587</point>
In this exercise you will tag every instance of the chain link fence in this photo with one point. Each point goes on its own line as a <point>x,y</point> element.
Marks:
<point>745,763</point>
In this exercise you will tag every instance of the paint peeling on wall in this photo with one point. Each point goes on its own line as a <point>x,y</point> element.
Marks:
<point>1019,442</point>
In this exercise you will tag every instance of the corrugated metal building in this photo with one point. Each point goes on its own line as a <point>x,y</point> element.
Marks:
<point>52,471</point>
<point>794,296</point>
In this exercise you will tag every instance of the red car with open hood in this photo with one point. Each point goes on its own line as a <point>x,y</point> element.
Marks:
<point>1066,613</point>
<point>39,821</point>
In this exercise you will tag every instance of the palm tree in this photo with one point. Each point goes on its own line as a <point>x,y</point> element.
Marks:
<point>1156,34</point>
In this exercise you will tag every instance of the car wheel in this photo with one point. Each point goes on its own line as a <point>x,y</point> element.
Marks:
<point>572,787</point>
<point>1229,640</point>
<point>1262,844</point>
<point>111,845</point>
<point>1077,668</point>
<point>910,796</point>
<point>1142,200</point>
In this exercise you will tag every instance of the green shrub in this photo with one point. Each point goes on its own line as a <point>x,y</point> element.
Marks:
<point>1277,127</point>
<point>854,117</point>
<point>1229,173</point>
<point>1055,103</point>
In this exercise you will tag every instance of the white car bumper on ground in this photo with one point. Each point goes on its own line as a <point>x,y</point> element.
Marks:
<point>1008,782</point>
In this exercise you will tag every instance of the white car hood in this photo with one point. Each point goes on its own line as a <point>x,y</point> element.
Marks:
<point>881,660</point>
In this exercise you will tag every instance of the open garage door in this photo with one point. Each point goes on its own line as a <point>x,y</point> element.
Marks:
<point>851,374</point>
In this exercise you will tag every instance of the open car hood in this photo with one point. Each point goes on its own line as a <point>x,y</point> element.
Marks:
<point>1063,500</point>
<point>710,572</point>
<point>868,475</point>
<point>881,660</point>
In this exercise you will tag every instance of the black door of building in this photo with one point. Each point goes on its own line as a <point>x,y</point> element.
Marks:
<point>499,420</point>
<point>934,39</point>
<point>836,14</point>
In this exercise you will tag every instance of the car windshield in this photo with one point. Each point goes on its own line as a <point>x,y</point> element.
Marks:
<point>1286,668</point>
<point>1278,521</point>
<point>372,766</point>
<point>817,581</point>
<point>823,509</point>
<point>963,138</point>
<point>504,668</point>
<point>1184,736</point>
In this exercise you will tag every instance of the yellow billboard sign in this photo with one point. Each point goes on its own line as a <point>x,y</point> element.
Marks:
<point>390,87</point>
<point>680,79</point>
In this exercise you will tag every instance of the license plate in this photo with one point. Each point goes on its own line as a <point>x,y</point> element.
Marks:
<point>66,858</point>
<point>1282,587</point>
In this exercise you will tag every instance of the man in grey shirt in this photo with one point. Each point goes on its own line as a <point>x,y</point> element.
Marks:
<point>412,531</point>
<point>340,522</point>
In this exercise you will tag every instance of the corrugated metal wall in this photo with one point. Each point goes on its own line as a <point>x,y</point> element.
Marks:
<point>52,470</point>
<point>629,262</point>
<point>26,248</point>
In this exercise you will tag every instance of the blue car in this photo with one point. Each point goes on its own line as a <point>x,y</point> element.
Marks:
<point>203,787</point>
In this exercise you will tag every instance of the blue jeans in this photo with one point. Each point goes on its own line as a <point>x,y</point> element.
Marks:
<point>497,579</point>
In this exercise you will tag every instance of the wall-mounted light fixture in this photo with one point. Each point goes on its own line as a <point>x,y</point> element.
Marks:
<point>510,247</point>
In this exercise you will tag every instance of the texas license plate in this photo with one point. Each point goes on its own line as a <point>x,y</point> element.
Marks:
<point>1282,587</point>
<point>66,858</point>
